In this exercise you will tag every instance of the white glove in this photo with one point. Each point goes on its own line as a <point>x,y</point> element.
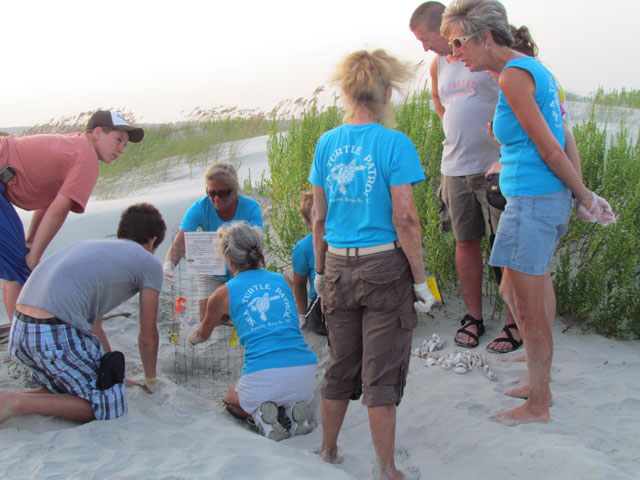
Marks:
<point>425,298</point>
<point>168,270</point>
<point>600,211</point>
<point>318,284</point>
<point>195,339</point>
<point>150,383</point>
<point>302,320</point>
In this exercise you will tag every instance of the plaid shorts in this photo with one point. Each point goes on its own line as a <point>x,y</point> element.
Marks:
<point>65,360</point>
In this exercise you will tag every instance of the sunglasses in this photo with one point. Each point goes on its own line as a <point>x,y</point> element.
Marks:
<point>458,42</point>
<point>218,193</point>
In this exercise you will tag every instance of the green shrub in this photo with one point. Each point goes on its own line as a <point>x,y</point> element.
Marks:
<point>290,156</point>
<point>597,278</point>
<point>422,125</point>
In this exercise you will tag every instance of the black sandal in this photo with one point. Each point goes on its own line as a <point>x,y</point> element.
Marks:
<point>515,344</point>
<point>468,321</point>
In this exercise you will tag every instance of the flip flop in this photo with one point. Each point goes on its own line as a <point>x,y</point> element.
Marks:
<point>515,344</point>
<point>466,322</point>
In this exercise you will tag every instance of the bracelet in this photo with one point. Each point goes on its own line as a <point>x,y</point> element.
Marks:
<point>320,273</point>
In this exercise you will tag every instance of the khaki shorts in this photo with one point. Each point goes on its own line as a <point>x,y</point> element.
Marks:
<point>464,209</point>
<point>207,284</point>
<point>368,306</point>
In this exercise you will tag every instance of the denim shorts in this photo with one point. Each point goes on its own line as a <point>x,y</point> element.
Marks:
<point>529,230</point>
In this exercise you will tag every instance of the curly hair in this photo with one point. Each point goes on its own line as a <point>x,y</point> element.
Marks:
<point>140,223</point>
<point>364,77</point>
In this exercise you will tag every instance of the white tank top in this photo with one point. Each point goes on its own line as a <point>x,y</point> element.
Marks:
<point>469,100</point>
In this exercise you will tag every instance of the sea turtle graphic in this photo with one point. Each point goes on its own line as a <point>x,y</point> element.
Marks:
<point>262,304</point>
<point>344,174</point>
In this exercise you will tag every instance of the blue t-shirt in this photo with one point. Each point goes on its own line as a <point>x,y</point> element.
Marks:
<point>524,171</point>
<point>264,314</point>
<point>204,216</point>
<point>356,165</point>
<point>303,261</point>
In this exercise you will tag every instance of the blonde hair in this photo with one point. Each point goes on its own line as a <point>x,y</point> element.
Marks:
<point>243,245</point>
<point>306,204</point>
<point>226,173</point>
<point>364,77</point>
<point>473,16</point>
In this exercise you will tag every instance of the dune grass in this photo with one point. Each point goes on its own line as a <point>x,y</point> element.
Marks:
<point>597,277</point>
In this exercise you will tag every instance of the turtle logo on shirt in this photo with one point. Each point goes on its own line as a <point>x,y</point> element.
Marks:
<point>262,304</point>
<point>344,174</point>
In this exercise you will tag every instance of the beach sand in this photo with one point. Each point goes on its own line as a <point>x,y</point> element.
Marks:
<point>443,426</point>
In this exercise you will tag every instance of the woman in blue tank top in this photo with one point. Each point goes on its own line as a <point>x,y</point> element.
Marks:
<point>537,179</point>
<point>278,376</point>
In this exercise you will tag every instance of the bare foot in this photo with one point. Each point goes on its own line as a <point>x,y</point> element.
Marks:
<point>521,391</point>
<point>329,455</point>
<point>382,473</point>
<point>130,382</point>
<point>519,358</point>
<point>6,411</point>
<point>522,414</point>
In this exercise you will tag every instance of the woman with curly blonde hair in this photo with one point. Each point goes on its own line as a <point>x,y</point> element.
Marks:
<point>367,243</point>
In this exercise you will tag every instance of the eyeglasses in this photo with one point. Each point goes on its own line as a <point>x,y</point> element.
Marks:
<point>458,42</point>
<point>219,193</point>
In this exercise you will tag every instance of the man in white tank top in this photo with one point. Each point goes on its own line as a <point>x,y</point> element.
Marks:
<point>465,102</point>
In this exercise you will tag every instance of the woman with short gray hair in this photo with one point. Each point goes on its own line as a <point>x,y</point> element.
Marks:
<point>278,376</point>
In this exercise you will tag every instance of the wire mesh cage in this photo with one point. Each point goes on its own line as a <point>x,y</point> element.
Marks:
<point>209,368</point>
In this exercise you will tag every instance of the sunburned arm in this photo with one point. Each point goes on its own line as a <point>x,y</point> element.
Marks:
<point>407,225</point>
<point>437,104</point>
<point>217,309</point>
<point>518,87</point>
<point>300,292</point>
<point>98,331</point>
<point>46,228</point>
<point>176,250</point>
<point>36,218</point>
<point>148,337</point>
<point>571,149</point>
<point>319,228</point>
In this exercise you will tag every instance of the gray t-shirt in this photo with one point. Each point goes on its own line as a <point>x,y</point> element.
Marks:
<point>469,100</point>
<point>87,279</point>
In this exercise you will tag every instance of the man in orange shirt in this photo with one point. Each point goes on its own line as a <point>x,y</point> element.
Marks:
<point>51,175</point>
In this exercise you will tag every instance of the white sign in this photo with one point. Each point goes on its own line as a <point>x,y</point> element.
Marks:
<point>201,254</point>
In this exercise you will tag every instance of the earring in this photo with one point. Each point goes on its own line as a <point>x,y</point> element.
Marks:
<point>487,46</point>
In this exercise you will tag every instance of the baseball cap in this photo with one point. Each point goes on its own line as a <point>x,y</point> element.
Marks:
<point>113,119</point>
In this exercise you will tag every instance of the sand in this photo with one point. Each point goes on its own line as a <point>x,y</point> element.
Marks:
<point>443,427</point>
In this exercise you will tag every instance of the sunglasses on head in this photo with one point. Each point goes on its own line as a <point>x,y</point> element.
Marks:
<point>458,42</point>
<point>219,193</point>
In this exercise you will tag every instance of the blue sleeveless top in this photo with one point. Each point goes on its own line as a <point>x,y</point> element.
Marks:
<point>263,311</point>
<point>524,171</point>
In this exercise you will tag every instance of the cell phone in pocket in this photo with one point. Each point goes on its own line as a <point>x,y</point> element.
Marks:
<point>6,174</point>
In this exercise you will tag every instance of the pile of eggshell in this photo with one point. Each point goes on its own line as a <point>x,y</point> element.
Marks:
<point>459,362</point>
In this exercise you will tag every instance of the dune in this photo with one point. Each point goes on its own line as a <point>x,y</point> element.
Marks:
<point>443,427</point>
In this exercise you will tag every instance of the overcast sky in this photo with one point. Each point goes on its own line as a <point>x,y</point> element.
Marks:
<point>161,59</point>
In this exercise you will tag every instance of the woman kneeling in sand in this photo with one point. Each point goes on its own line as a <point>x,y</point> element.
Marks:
<point>278,376</point>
